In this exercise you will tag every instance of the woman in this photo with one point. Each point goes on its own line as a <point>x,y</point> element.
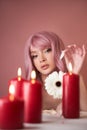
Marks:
<point>43,54</point>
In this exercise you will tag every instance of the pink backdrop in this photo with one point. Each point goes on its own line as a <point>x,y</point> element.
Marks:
<point>20,18</point>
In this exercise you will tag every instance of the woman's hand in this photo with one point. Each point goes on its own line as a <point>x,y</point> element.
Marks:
<point>76,56</point>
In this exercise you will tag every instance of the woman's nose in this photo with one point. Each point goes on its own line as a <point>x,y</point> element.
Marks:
<point>42,58</point>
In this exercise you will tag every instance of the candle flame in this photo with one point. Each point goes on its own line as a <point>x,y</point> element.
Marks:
<point>11,92</point>
<point>33,76</point>
<point>70,68</point>
<point>19,73</point>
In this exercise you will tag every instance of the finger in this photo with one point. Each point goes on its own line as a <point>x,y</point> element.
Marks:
<point>62,54</point>
<point>81,50</point>
<point>68,56</point>
<point>84,50</point>
<point>72,45</point>
<point>72,48</point>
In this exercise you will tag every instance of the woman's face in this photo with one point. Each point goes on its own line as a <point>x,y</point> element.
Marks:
<point>43,60</point>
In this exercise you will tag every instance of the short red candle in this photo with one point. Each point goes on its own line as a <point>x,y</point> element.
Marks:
<point>11,113</point>
<point>18,84</point>
<point>33,101</point>
<point>70,95</point>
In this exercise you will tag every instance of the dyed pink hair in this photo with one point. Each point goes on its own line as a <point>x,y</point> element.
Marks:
<point>41,40</point>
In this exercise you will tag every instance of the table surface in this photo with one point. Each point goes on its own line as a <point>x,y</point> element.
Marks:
<point>51,121</point>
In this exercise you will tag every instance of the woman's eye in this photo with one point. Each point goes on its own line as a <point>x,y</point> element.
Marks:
<point>48,50</point>
<point>34,56</point>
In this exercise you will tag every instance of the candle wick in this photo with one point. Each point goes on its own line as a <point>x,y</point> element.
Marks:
<point>19,78</point>
<point>70,73</point>
<point>33,81</point>
<point>11,97</point>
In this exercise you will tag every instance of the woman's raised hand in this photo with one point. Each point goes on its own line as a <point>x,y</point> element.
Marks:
<point>75,55</point>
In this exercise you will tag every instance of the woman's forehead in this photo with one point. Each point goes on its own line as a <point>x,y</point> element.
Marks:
<point>35,49</point>
<point>39,46</point>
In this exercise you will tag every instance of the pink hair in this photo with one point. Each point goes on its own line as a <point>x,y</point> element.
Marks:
<point>41,40</point>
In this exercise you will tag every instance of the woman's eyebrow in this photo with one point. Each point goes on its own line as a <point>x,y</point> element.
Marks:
<point>33,51</point>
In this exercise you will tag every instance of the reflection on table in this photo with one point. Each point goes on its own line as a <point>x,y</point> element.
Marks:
<point>54,122</point>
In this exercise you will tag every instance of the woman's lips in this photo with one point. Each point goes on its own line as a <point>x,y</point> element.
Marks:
<point>44,67</point>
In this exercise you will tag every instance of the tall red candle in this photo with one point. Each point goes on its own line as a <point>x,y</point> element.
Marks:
<point>33,101</point>
<point>70,101</point>
<point>18,84</point>
<point>11,113</point>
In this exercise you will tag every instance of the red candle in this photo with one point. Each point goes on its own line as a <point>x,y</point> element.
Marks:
<point>11,112</point>
<point>18,84</point>
<point>70,95</point>
<point>33,100</point>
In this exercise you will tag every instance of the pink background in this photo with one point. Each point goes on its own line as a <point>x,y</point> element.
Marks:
<point>20,18</point>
